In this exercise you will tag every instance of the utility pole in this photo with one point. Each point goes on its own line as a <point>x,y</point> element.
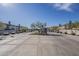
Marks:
<point>19,26</point>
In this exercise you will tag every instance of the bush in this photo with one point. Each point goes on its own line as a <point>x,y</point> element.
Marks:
<point>23,30</point>
<point>60,32</point>
<point>65,33</point>
<point>73,33</point>
<point>57,32</point>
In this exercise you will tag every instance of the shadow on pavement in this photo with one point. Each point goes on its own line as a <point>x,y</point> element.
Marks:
<point>48,34</point>
<point>53,35</point>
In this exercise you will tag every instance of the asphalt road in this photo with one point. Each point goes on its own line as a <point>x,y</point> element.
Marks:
<point>53,44</point>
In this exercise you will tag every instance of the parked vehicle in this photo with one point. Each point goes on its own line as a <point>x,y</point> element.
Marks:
<point>12,31</point>
<point>6,32</point>
<point>1,31</point>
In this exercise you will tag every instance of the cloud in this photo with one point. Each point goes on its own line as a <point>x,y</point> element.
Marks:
<point>6,5</point>
<point>63,6</point>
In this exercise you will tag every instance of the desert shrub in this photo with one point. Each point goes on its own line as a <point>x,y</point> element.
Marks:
<point>60,32</point>
<point>23,30</point>
<point>66,33</point>
<point>57,31</point>
<point>73,33</point>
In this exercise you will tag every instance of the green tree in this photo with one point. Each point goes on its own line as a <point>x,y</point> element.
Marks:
<point>65,26</point>
<point>2,26</point>
<point>33,26</point>
<point>75,25</point>
<point>39,26</point>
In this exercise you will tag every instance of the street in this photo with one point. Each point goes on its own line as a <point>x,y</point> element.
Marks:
<point>54,44</point>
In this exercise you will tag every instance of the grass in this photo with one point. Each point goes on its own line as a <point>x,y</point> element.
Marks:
<point>37,33</point>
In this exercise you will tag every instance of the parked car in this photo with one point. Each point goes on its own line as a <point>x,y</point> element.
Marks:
<point>1,31</point>
<point>12,31</point>
<point>6,32</point>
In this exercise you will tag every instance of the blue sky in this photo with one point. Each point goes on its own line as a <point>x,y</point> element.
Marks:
<point>52,14</point>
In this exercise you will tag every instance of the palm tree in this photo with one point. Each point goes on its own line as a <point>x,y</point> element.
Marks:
<point>60,25</point>
<point>70,24</point>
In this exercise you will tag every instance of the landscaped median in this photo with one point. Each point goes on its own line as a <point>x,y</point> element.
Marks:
<point>71,32</point>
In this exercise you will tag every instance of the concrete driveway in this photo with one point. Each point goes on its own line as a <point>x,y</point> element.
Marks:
<point>53,44</point>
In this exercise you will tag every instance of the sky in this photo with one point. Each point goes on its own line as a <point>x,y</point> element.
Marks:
<point>50,13</point>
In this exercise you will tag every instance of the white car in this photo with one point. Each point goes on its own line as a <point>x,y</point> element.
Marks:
<point>12,31</point>
<point>6,32</point>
